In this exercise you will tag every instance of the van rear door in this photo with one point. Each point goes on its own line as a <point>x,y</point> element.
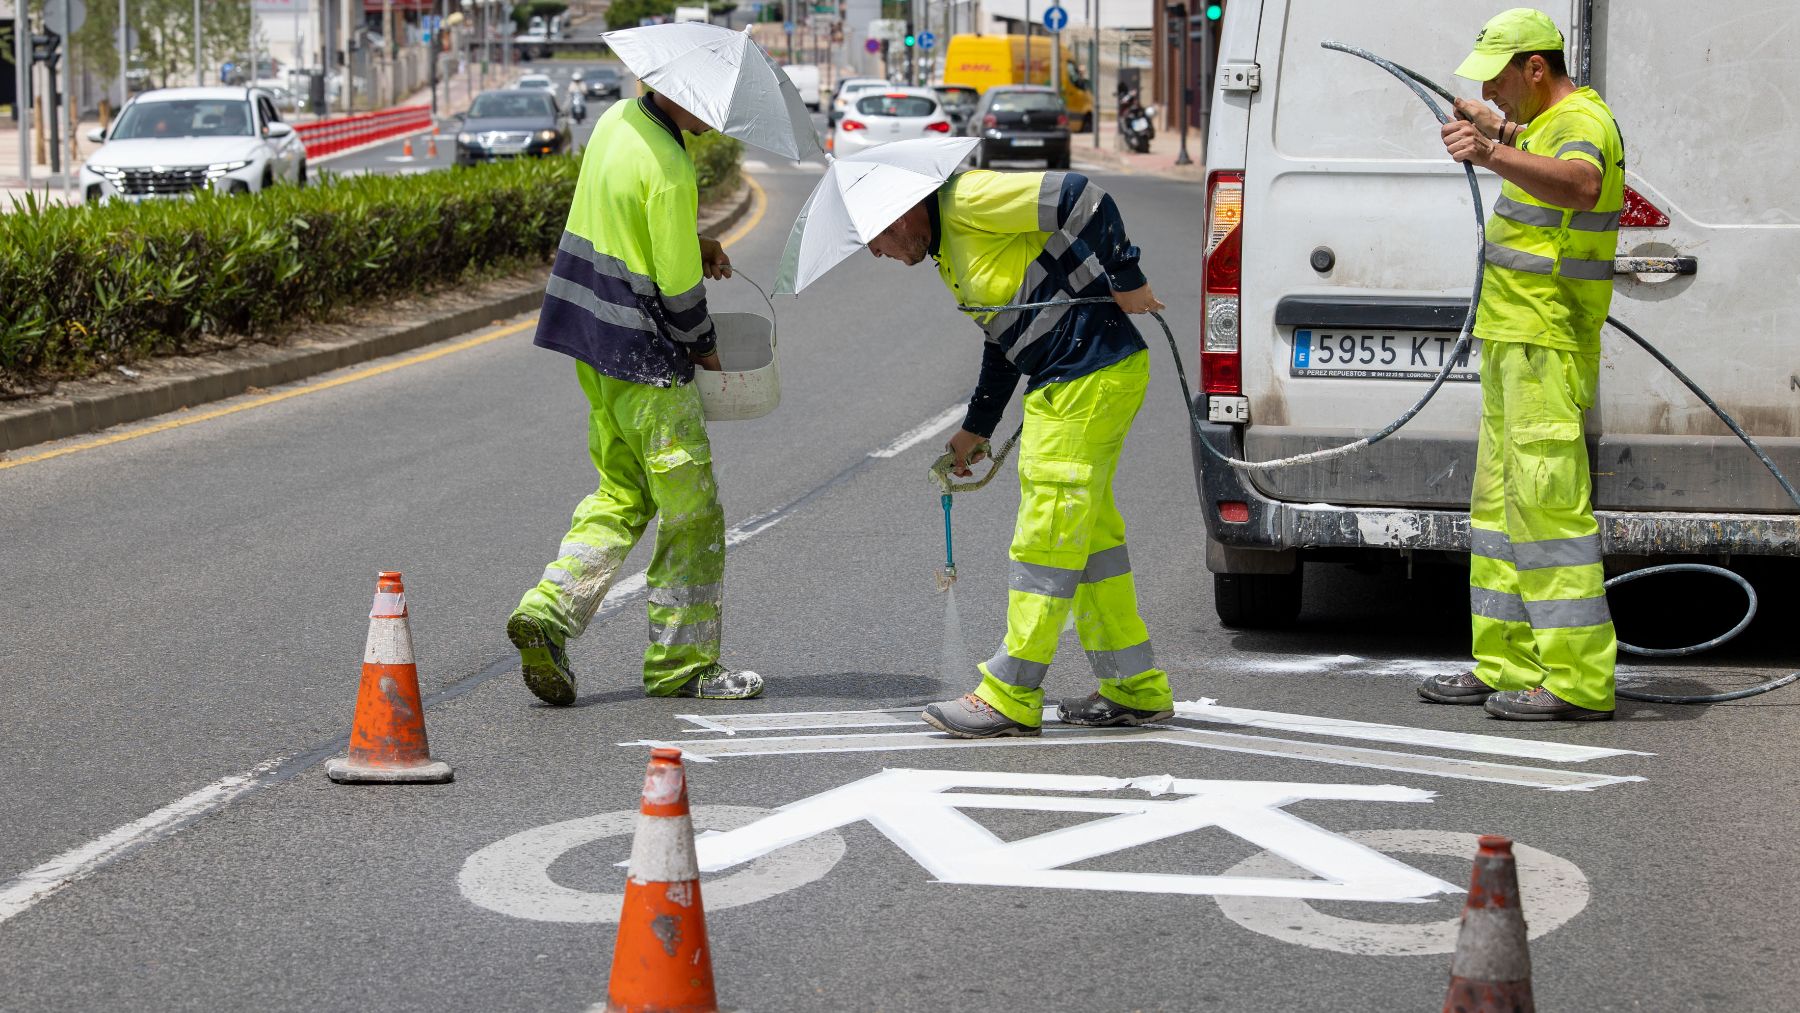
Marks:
<point>1708,101</point>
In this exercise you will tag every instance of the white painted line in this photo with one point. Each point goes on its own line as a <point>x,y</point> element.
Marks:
<point>19,894</point>
<point>1553,890</point>
<point>919,434</point>
<point>1549,779</point>
<point>1467,742</point>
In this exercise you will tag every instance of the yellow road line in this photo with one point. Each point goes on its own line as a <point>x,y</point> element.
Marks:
<point>743,229</point>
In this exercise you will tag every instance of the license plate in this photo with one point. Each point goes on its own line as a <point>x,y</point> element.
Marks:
<point>1140,124</point>
<point>1028,142</point>
<point>1381,355</point>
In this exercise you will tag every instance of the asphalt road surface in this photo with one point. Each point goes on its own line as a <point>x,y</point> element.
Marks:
<point>185,614</point>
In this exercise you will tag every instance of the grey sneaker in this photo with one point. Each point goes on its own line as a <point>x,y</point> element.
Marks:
<point>1539,704</point>
<point>722,683</point>
<point>542,660</point>
<point>1097,711</point>
<point>1460,688</point>
<point>969,717</point>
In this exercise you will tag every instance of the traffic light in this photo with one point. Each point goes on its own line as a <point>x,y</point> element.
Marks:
<point>1215,11</point>
<point>910,40</point>
<point>46,48</point>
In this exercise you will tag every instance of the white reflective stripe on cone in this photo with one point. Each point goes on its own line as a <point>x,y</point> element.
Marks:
<point>663,850</point>
<point>389,643</point>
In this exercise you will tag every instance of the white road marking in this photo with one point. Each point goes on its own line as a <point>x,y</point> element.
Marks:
<point>919,811</point>
<point>1553,891</point>
<point>20,893</point>
<point>919,434</point>
<point>1548,779</point>
<point>1209,711</point>
<point>512,876</point>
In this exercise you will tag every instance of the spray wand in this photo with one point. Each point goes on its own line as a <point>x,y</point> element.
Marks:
<point>941,474</point>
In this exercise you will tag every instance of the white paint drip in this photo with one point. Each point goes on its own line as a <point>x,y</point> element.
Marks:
<point>19,894</point>
<point>919,434</point>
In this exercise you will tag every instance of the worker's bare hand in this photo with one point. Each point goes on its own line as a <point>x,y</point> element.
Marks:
<point>1138,300</point>
<point>714,263</point>
<point>1482,115</point>
<point>1465,143</point>
<point>708,362</point>
<point>964,445</point>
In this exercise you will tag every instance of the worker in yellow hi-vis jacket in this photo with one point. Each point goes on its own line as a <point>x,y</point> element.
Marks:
<point>1543,638</point>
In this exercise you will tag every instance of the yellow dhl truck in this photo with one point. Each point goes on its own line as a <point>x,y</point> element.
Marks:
<point>983,61</point>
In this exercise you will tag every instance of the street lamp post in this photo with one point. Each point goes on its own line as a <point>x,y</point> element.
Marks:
<point>1178,18</point>
<point>199,68</point>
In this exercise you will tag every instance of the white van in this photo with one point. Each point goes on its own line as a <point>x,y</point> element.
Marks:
<point>1340,254</point>
<point>806,81</point>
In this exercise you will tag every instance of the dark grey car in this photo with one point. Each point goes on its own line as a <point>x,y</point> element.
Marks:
<point>602,82</point>
<point>1021,123</point>
<point>511,123</point>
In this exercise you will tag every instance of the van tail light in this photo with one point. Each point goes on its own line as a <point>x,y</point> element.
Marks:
<point>940,126</point>
<point>1221,271</point>
<point>852,125</point>
<point>1639,213</point>
<point>990,120</point>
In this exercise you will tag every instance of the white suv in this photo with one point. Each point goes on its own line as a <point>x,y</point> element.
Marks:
<point>177,140</point>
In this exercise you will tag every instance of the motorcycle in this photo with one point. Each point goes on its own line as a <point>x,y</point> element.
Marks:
<point>1137,124</point>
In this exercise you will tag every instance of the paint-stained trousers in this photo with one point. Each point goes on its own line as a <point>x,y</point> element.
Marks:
<point>649,445</point>
<point>1537,606</point>
<point>1068,549</point>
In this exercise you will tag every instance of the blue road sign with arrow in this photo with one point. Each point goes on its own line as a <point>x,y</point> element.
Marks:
<point>1055,18</point>
<point>927,40</point>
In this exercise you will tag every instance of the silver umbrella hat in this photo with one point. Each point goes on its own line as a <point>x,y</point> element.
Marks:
<point>725,79</point>
<point>860,196</point>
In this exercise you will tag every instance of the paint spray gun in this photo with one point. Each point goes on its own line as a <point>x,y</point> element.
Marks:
<point>941,474</point>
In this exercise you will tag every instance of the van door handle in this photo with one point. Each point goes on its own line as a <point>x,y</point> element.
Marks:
<point>1655,265</point>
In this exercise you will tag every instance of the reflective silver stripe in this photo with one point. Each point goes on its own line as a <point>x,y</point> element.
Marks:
<point>1562,613</point>
<point>1528,214</point>
<point>682,334</point>
<point>1042,324</point>
<point>672,634</point>
<point>683,301</point>
<point>558,576</point>
<point>1057,245</point>
<point>1087,204</point>
<point>1578,551</point>
<point>1507,608</point>
<point>605,312</point>
<point>1594,221</point>
<point>1585,147</point>
<point>689,594</point>
<point>1123,663</point>
<point>1106,564</point>
<point>1049,581</point>
<point>1017,671</point>
<point>1049,196</point>
<point>604,263</point>
<point>583,553</point>
<point>1490,544</point>
<point>1587,270</point>
<point>1086,273</point>
<point>1518,260</point>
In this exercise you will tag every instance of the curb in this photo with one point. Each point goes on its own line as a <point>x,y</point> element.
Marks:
<point>90,405</point>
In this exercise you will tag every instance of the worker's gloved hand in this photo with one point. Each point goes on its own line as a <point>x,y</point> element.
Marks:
<point>965,445</point>
<point>713,261</point>
<point>1482,115</point>
<point>1466,143</point>
<point>709,362</point>
<point>1138,300</point>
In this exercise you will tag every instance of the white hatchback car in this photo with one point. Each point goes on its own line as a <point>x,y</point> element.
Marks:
<point>893,114</point>
<point>174,141</point>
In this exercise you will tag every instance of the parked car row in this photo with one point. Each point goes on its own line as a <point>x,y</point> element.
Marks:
<point>1013,122</point>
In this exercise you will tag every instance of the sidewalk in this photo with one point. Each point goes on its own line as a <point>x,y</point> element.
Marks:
<point>1159,161</point>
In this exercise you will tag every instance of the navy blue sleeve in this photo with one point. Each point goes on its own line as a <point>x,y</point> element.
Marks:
<point>999,378</point>
<point>1090,217</point>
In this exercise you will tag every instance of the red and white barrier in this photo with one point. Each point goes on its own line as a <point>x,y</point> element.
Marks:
<point>331,136</point>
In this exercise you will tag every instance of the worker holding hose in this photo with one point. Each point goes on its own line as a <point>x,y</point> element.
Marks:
<point>1543,639</point>
<point>1011,238</point>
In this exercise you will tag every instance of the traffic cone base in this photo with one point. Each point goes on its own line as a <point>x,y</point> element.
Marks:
<point>406,149</point>
<point>387,737</point>
<point>662,962</point>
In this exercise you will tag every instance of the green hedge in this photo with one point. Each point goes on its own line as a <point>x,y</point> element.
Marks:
<point>87,288</point>
<point>718,163</point>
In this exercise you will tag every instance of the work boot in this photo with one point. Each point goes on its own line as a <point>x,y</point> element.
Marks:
<point>1460,688</point>
<point>969,717</point>
<point>1539,704</point>
<point>721,683</point>
<point>1096,711</point>
<point>542,659</point>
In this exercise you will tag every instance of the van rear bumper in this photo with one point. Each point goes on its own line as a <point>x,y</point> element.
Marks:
<point>1274,525</point>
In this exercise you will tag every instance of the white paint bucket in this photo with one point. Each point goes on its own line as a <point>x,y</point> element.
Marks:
<point>749,386</point>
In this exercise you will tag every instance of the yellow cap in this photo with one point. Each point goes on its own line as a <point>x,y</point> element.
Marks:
<point>1520,30</point>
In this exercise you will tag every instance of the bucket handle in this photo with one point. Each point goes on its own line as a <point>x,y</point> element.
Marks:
<point>773,330</point>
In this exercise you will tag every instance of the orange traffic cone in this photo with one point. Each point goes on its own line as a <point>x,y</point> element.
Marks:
<point>661,961</point>
<point>406,149</point>
<point>387,740</point>
<point>1491,972</point>
<point>431,144</point>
